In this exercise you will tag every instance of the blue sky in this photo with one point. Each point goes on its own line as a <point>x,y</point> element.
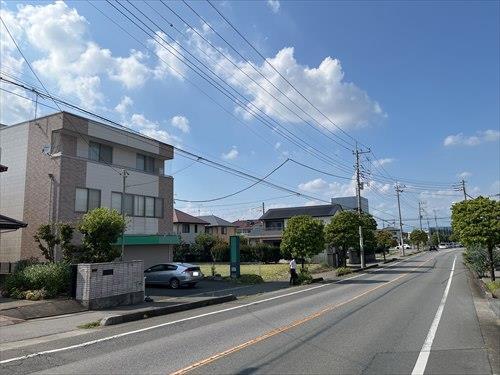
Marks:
<point>418,82</point>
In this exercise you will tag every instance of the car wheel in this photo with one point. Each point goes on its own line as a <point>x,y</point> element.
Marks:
<point>175,284</point>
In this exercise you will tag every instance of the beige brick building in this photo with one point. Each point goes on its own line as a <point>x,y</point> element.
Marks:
<point>62,165</point>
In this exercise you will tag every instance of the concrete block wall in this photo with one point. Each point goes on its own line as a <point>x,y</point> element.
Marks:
<point>123,285</point>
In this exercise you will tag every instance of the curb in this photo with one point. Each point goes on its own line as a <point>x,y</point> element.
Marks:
<point>493,302</point>
<point>364,269</point>
<point>390,260</point>
<point>157,311</point>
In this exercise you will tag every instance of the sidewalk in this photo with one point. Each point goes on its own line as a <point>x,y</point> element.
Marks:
<point>50,328</point>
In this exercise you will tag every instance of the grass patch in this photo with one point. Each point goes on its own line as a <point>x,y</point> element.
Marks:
<point>268,272</point>
<point>90,325</point>
<point>341,271</point>
<point>493,286</point>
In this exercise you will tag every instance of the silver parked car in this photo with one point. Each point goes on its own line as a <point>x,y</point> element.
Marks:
<point>173,274</point>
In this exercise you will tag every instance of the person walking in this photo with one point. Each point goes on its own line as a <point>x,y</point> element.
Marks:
<point>293,272</point>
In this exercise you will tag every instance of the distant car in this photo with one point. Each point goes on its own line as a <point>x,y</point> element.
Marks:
<point>443,246</point>
<point>433,248</point>
<point>405,246</point>
<point>174,275</point>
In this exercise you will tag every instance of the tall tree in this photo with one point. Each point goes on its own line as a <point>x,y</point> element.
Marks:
<point>477,222</point>
<point>343,233</point>
<point>418,237</point>
<point>384,240</point>
<point>303,237</point>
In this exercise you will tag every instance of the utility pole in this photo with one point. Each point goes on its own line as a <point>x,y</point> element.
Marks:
<point>463,189</point>
<point>124,178</point>
<point>420,213</point>
<point>399,189</point>
<point>359,187</point>
<point>437,228</point>
<point>263,209</point>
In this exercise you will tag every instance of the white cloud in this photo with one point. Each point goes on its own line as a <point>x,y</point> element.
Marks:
<point>231,154</point>
<point>180,122</point>
<point>481,136</point>
<point>343,102</point>
<point>464,175</point>
<point>384,161</point>
<point>151,129</point>
<point>314,185</point>
<point>277,145</point>
<point>168,64</point>
<point>124,105</point>
<point>274,5</point>
<point>67,58</point>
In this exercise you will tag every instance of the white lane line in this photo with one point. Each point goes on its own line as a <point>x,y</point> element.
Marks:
<point>128,333</point>
<point>425,352</point>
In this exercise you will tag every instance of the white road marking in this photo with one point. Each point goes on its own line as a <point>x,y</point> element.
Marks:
<point>128,333</point>
<point>425,352</point>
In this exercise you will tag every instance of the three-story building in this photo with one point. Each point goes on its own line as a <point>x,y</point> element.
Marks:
<point>63,165</point>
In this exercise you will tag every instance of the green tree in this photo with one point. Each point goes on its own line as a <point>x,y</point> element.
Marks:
<point>343,232</point>
<point>101,228</point>
<point>48,236</point>
<point>219,249</point>
<point>435,239</point>
<point>303,237</point>
<point>384,240</point>
<point>47,239</point>
<point>477,222</point>
<point>204,243</point>
<point>418,237</point>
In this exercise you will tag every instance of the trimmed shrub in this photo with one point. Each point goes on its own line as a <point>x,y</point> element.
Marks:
<point>341,271</point>
<point>52,278</point>
<point>476,258</point>
<point>250,279</point>
<point>304,276</point>
<point>23,263</point>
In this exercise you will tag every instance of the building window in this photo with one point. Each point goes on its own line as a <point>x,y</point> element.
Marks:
<point>138,205</point>
<point>145,163</point>
<point>116,201</point>
<point>196,228</point>
<point>185,228</point>
<point>100,152</point>
<point>223,230</point>
<point>87,199</point>
<point>149,207</point>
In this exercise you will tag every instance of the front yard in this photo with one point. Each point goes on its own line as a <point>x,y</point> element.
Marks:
<point>269,272</point>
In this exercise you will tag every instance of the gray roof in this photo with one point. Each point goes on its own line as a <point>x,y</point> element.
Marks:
<point>323,210</point>
<point>216,221</point>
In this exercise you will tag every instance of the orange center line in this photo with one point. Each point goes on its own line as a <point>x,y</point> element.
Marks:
<point>284,328</point>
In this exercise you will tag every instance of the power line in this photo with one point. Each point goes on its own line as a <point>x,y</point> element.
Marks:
<point>236,192</point>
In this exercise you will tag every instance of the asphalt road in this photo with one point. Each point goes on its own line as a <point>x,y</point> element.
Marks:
<point>372,323</point>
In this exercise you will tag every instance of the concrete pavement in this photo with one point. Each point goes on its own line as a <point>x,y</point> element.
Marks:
<point>375,322</point>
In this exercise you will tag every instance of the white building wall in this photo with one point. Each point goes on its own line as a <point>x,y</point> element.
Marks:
<point>13,151</point>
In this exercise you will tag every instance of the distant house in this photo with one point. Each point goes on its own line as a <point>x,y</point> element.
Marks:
<point>396,233</point>
<point>219,227</point>
<point>351,203</point>
<point>187,226</point>
<point>275,220</point>
<point>245,227</point>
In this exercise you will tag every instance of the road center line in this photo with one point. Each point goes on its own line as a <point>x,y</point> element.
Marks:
<point>425,352</point>
<point>285,328</point>
<point>103,339</point>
